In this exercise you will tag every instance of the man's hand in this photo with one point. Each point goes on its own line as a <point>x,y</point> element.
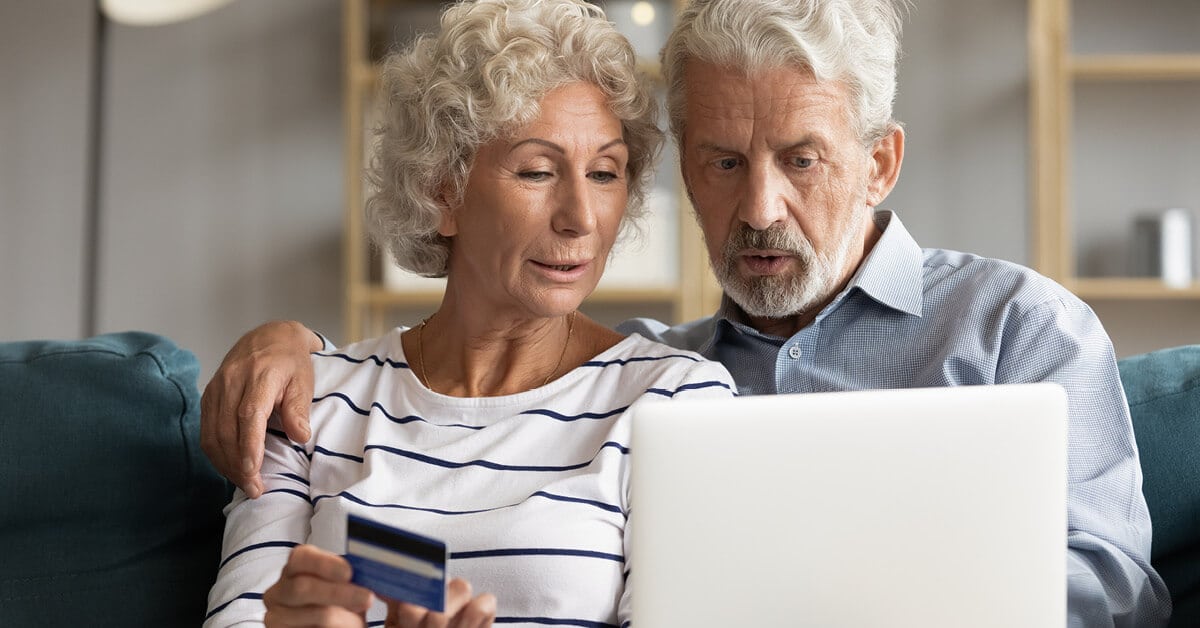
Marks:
<point>268,370</point>
<point>462,611</point>
<point>314,589</point>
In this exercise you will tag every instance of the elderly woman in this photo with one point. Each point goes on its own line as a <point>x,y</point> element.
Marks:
<point>515,145</point>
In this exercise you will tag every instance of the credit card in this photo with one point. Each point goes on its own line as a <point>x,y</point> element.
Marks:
<point>396,563</point>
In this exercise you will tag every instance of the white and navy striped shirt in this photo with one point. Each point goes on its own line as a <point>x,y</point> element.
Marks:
<point>530,491</point>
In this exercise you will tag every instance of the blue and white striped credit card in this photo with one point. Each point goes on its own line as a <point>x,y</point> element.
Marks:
<point>397,564</point>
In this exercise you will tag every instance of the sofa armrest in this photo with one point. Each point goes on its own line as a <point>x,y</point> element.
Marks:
<point>112,514</point>
<point>1163,389</point>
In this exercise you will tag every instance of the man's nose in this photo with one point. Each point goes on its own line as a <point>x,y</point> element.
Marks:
<point>765,200</point>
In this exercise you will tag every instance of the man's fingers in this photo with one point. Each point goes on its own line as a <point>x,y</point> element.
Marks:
<point>297,399</point>
<point>250,385</point>
<point>220,417</point>
<point>208,425</point>
<point>253,411</point>
<point>248,460</point>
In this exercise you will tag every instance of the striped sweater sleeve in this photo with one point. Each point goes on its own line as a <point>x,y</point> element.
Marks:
<point>260,533</point>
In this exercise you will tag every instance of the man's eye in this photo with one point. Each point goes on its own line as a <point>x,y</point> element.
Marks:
<point>534,175</point>
<point>727,163</point>
<point>802,162</point>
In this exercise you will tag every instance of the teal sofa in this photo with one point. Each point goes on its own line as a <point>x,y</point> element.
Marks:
<point>112,515</point>
<point>1163,389</point>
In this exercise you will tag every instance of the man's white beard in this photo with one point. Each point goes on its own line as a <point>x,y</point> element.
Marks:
<point>798,290</point>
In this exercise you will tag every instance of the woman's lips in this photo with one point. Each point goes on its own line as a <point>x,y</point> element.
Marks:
<point>563,271</point>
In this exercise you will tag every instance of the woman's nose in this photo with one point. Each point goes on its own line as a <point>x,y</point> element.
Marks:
<point>576,213</point>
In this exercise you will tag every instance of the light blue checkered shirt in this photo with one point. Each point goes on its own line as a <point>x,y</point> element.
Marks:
<point>914,318</point>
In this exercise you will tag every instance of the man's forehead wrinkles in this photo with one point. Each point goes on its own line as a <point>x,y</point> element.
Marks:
<point>714,104</point>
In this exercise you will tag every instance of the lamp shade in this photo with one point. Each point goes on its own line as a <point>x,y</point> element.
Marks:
<point>155,12</point>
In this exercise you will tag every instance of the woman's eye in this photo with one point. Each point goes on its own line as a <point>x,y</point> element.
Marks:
<point>603,176</point>
<point>534,175</point>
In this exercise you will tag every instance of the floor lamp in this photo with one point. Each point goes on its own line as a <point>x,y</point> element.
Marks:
<point>132,13</point>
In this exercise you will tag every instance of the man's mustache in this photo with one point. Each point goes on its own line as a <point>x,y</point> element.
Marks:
<point>775,238</point>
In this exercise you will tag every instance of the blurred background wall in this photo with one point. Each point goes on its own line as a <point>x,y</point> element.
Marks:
<point>221,180</point>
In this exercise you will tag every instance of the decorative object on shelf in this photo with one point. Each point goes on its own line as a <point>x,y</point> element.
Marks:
<point>1058,65</point>
<point>1162,246</point>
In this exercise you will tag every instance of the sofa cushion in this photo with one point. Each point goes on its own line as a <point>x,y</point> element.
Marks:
<point>1163,389</point>
<point>112,515</point>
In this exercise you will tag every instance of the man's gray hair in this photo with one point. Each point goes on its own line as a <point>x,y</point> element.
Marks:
<point>480,78</point>
<point>853,41</point>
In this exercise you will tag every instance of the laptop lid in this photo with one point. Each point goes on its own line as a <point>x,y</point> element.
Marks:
<point>931,507</point>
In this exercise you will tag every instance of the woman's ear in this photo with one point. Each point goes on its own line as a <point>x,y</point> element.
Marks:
<point>448,226</point>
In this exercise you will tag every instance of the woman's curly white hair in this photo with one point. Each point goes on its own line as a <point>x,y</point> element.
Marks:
<point>481,77</point>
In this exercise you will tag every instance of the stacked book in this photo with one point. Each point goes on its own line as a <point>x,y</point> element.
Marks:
<point>1166,245</point>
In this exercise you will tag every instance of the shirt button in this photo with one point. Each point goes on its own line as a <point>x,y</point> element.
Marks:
<point>794,352</point>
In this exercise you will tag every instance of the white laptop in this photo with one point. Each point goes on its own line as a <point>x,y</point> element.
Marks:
<point>931,508</point>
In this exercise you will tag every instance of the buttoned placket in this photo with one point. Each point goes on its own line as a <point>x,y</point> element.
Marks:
<point>795,359</point>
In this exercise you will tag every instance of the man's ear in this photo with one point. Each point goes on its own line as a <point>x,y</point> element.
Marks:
<point>886,156</point>
<point>448,226</point>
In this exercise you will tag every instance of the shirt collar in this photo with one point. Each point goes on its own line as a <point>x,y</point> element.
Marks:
<point>727,320</point>
<point>891,274</point>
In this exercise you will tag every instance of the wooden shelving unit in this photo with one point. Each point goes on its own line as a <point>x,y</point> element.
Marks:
<point>1135,68</point>
<point>1054,70</point>
<point>368,301</point>
<point>1131,289</point>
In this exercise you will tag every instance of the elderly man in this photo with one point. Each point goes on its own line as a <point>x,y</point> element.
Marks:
<point>783,114</point>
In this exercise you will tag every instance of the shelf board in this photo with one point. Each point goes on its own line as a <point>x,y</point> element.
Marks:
<point>1140,67</point>
<point>1130,289</point>
<point>381,296</point>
